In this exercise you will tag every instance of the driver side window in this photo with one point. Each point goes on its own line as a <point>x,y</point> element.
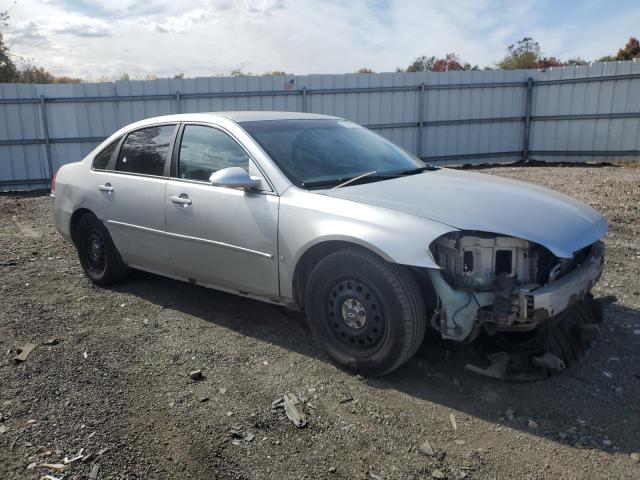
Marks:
<point>205,150</point>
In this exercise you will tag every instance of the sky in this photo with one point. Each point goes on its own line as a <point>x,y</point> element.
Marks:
<point>95,39</point>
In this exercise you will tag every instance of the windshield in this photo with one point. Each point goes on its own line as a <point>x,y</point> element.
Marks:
<point>317,153</point>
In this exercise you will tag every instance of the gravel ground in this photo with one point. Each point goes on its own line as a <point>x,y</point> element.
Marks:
<point>117,382</point>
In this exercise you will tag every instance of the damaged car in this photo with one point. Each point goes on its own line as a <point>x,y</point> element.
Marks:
<point>319,214</point>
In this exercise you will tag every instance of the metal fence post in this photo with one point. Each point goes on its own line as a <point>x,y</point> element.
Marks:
<point>526,133</point>
<point>178,106</point>
<point>420,121</point>
<point>45,128</point>
<point>304,99</point>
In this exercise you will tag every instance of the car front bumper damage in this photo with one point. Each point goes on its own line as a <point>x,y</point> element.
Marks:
<point>462,313</point>
<point>548,301</point>
<point>565,304</point>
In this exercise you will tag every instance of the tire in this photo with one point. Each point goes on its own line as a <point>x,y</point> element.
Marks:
<point>366,313</point>
<point>98,255</point>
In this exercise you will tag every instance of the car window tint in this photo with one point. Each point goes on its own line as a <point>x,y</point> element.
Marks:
<point>145,151</point>
<point>101,160</point>
<point>205,150</point>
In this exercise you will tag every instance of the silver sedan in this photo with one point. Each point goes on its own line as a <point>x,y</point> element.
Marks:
<point>320,214</point>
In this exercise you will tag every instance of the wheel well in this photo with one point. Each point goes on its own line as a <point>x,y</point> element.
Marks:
<point>75,219</point>
<point>309,260</point>
<point>312,257</point>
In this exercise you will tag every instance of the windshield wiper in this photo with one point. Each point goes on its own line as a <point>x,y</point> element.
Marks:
<point>372,176</point>
<point>413,171</point>
<point>354,179</point>
<point>342,181</point>
<point>322,183</point>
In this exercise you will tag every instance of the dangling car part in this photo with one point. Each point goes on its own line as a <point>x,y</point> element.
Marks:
<point>535,305</point>
<point>556,345</point>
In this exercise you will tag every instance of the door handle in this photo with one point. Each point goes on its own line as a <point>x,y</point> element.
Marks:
<point>180,200</point>
<point>106,187</point>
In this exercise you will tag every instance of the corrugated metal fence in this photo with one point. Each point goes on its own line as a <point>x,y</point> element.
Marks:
<point>564,114</point>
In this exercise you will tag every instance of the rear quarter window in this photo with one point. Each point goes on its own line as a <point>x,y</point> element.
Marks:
<point>102,159</point>
<point>145,151</point>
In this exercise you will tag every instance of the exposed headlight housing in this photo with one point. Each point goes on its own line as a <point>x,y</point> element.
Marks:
<point>476,260</point>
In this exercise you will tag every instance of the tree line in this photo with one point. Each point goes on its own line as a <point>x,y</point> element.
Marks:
<point>524,54</point>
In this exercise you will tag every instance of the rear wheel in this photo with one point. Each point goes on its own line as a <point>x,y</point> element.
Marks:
<point>367,314</point>
<point>99,258</point>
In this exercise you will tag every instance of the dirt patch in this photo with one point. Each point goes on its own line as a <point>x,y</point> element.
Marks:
<point>119,376</point>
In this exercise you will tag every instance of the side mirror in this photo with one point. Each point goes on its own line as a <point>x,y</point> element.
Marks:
<point>234,177</point>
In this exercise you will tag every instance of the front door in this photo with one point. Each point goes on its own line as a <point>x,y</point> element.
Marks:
<point>220,236</point>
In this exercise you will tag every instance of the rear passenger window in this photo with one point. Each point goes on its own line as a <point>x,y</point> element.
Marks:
<point>205,150</point>
<point>145,151</point>
<point>101,160</point>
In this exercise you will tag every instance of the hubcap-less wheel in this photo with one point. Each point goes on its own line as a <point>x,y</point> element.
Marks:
<point>95,250</point>
<point>98,255</point>
<point>368,314</point>
<point>357,320</point>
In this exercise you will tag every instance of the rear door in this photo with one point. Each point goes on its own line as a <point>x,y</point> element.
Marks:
<point>220,236</point>
<point>131,191</point>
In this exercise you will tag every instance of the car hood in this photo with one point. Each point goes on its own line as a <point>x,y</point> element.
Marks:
<point>487,203</point>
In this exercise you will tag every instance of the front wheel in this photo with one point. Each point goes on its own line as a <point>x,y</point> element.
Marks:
<point>99,258</point>
<point>368,314</point>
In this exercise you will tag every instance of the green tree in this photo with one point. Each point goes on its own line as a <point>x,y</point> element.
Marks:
<point>365,70</point>
<point>66,79</point>
<point>450,61</point>
<point>524,53</point>
<point>8,70</point>
<point>422,64</point>
<point>33,74</point>
<point>576,62</point>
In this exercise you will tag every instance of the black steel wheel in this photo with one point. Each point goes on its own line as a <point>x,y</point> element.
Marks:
<point>98,255</point>
<point>368,314</point>
<point>357,317</point>
<point>95,251</point>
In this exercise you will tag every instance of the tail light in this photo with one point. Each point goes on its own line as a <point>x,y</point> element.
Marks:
<point>53,182</point>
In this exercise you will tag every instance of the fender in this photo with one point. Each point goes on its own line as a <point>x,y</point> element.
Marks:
<point>304,222</point>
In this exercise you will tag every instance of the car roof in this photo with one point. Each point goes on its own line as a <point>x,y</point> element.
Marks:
<point>251,116</point>
<point>239,116</point>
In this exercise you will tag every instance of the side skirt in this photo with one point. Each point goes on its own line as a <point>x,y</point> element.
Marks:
<point>274,301</point>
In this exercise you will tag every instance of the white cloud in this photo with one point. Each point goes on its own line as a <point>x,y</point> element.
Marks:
<point>82,28</point>
<point>90,38</point>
